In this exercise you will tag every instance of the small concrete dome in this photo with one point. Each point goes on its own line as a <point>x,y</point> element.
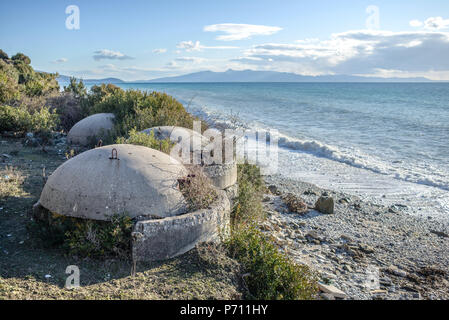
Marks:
<point>92,126</point>
<point>142,182</point>
<point>176,134</point>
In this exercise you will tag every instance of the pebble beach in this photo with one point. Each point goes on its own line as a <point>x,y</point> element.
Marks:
<point>362,250</point>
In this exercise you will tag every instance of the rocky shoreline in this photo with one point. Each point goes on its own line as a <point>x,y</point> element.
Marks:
<point>362,250</point>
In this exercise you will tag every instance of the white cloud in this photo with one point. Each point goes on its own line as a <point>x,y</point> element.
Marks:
<point>60,60</point>
<point>416,23</point>
<point>417,53</point>
<point>190,46</point>
<point>234,31</point>
<point>356,52</point>
<point>191,59</point>
<point>109,54</point>
<point>158,51</point>
<point>436,23</point>
<point>385,73</point>
<point>172,65</point>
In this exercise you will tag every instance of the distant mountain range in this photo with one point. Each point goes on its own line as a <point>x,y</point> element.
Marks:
<point>63,78</point>
<point>253,76</point>
<point>273,76</point>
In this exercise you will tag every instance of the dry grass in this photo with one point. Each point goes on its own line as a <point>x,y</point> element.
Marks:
<point>11,181</point>
<point>295,203</point>
<point>197,189</point>
<point>198,274</point>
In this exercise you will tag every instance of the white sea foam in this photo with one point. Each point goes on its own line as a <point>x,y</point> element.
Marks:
<point>349,156</point>
<point>357,159</point>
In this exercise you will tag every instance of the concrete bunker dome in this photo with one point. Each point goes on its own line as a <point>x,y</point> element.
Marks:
<point>95,185</point>
<point>94,126</point>
<point>177,134</point>
<point>223,175</point>
<point>143,182</point>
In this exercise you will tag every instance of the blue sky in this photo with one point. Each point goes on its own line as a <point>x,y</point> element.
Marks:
<point>147,39</point>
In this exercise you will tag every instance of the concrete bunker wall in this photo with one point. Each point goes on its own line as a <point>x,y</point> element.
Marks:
<point>169,237</point>
<point>222,175</point>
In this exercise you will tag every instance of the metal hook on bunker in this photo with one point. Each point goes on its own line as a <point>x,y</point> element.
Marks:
<point>114,155</point>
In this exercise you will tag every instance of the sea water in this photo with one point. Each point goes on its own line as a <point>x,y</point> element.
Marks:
<point>385,142</point>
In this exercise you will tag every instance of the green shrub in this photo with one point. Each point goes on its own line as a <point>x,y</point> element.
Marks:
<point>101,239</point>
<point>19,80</point>
<point>20,57</point>
<point>9,82</point>
<point>99,92</point>
<point>137,109</point>
<point>85,238</point>
<point>69,108</point>
<point>34,88</point>
<point>19,119</point>
<point>270,274</point>
<point>3,55</point>
<point>76,88</point>
<point>44,120</point>
<point>40,84</point>
<point>14,119</point>
<point>49,82</point>
<point>146,140</point>
<point>248,207</point>
<point>25,71</point>
<point>132,108</point>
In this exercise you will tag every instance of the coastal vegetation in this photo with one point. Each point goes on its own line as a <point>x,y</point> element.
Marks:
<point>146,140</point>
<point>248,264</point>
<point>23,94</point>
<point>31,101</point>
<point>84,238</point>
<point>269,274</point>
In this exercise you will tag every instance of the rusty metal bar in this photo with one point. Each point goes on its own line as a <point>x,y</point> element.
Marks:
<point>114,156</point>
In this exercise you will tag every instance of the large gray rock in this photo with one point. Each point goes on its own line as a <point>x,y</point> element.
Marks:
<point>325,205</point>
<point>96,126</point>
<point>330,289</point>
<point>167,238</point>
<point>143,182</point>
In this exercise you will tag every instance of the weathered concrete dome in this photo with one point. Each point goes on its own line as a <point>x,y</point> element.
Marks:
<point>176,134</point>
<point>142,182</point>
<point>223,175</point>
<point>92,126</point>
